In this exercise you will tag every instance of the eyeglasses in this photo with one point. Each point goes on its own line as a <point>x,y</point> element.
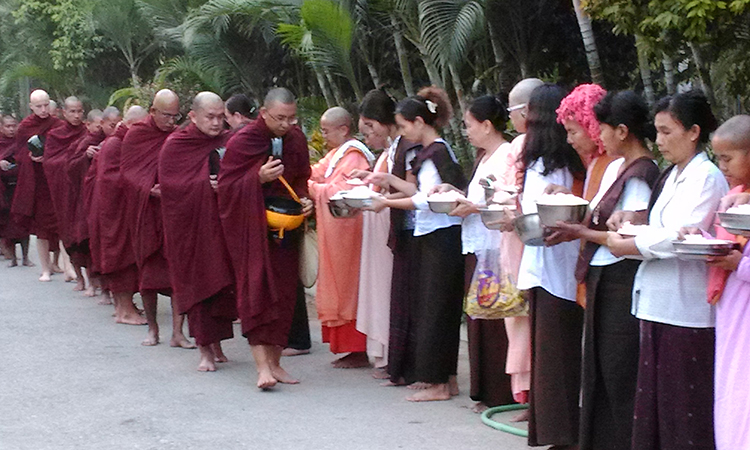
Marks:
<point>516,108</point>
<point>283,119</point>
<point>176,117</point>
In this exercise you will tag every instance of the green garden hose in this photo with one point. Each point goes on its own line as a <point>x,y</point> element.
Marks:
<point>487,419</point>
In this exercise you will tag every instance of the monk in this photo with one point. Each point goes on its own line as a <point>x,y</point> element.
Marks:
<point>32,210</point>
<point>8,179</point>
<point>266,266</point>
<point>138,169</point>
<point>239,111</point>
<point>79,160</point>
<point>60,141</point>
<point>110,245</point>
<point>202,278</point>
<point>339,240</point>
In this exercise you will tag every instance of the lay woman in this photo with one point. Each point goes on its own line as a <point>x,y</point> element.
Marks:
<point>548,274</point>
<point>673,400</point>
<point>610,351</point>
<point>436,307</point>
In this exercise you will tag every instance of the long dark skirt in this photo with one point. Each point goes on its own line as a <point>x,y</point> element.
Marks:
<point>437,306</point>
<point>402,289</point>
<point>299,334</point>
<point>210,321</point>
<point>488,352</point>
<point>674,397</point>
<point>610,358</point>
<point>556,329</point>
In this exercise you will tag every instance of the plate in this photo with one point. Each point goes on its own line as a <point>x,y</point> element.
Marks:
<point>737,231</point>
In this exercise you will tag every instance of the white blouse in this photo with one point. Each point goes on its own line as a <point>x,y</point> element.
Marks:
<point>666,289</point>
<point>551,268</point>
<point>429,177</point>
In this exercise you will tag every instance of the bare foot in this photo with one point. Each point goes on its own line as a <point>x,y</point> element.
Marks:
<point>266,380</point>
<point>57,269</point>
<point>434,393</point>
<point>13,263</point>
<point>294,352</point>
<point>282,376</point>
<point>79,285</point>
<point>400,382</point>
<point>46,276</point>
<point>131,319</point>
<point>28,263</point>
<point>418,386</point>
<point>91,292</point>
<point>353,360</point>
<point>207,359</point>
<point>523,417</point>
<point>479,408</point>
<point>380,373</point>
<point>181,342</point>
<point>453,385</point>
<point>152,339</point>
<point>206,366</point>
<point>219,355</point>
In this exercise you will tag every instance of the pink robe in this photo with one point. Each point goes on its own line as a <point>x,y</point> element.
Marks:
<point>339,248</point>
<point>518,364</point>
<point>375,273</point>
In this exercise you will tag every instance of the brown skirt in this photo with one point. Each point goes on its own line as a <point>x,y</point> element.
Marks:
<point>556,329</point>
<point>675,391</point>
<point>210,321</point>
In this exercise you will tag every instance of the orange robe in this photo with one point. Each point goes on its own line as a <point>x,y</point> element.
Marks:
<point>339,248</point>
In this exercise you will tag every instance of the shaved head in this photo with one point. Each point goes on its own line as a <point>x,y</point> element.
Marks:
<point>165,110</point>
<point>110,112</point>
<point>134,114</point>
<point>110,119</point>
<point>279,95</point>
<point>337,116</point>
<point>39,96</point>
<point>40,104</point>
<point>735,130</point>
<point>206,99</point>
<point>336,126</point>
<point>94,121</point>
<point>8,125</point>
<point>166,99</point>
<point>72,102</point>
<point>521,92</point>
<point>73,111</point>
<point>94,114</point>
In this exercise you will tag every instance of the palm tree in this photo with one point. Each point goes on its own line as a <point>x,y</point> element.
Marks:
<point>589,44</point>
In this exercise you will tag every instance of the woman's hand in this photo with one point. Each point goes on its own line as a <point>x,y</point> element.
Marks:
<point>378,204</point>
<point>556,189</point>
<point>359,173</point>
<point>506,222</point>
<point>381,179</point>
<point>618,218</point>
<point>729,262</point>
<point>464,209</point>
<point>684,231</point>
<point>307,206</point>
<point>620,246</point>
<point>733,200</point>
<point>564,232</point>
<point>442,188</point>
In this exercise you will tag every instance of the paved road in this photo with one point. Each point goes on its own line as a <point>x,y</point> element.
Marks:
<point>72,379</point>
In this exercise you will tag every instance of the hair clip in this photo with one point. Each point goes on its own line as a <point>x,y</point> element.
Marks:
<point>432,106</point>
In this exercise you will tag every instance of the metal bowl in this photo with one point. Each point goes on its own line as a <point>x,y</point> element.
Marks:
<point>356,202</point>
<point>549,215</point>
<point>340,210</point>
<point>529,230</point>
<point>442,207</point>
<point>719,249</point>
<point>35,145</point>
<point>491,215</point>
<point>735,221</point>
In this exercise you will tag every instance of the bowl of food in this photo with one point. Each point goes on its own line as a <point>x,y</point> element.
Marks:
<point>696,246</point>
<point>529,229</point>
<point>359,197</point>
<point>628,230</point>
<point>444,202</point>
<point>494,213</point>
<point>283,214</point>
<point>736,219</point>
<point>338,207</point>
<point>553,208</point>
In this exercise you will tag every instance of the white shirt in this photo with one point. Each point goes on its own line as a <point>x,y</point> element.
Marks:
<point>551,268</point>
<point>635,197</point>
<point>666,289</point>
<point>426,220</point>
<point>474,235</point>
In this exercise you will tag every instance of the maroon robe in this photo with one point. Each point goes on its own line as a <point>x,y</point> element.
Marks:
<point>202,278</point>
<point>110,244</point>
<point>7,183</point>
<point>60,142</point>
<point>138,169</point>
<point>266,271</point>
<point>32,211</point>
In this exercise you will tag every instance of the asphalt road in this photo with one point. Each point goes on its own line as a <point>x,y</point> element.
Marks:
<point>73,379</point>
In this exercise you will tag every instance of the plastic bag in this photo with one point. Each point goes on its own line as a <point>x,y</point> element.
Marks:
<point>492,293</point>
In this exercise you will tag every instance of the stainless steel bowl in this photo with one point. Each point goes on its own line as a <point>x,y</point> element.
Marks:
<point>718,249</point>
<point>442,207</point>
<point>340,210</point>
<point>491,215</point>
<point>529,230</point>
<point>735,221</point>
<point>357,202</point>
<point>549,215</point>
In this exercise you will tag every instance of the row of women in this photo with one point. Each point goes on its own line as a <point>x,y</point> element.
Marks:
<point>624,346</point>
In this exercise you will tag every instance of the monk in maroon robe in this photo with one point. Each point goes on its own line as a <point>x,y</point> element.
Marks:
<point>202,278</point>
<point>266,268</point>
<point>32,210</point>
<point>139,172</point>
<point>8,179</point>
<point>110,244</point>
<point>60,141</point>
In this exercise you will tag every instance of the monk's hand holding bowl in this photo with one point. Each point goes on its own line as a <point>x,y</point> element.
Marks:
<point>464,208</point>
<point>556,189</point>
<point>307,206</point>
<point>156,190</point>
<point>732,200</point>
<point>4,165</point>
<point>214,182</point>
<point>36,159</point>
<point>729,262</point>
<point>271,170</point>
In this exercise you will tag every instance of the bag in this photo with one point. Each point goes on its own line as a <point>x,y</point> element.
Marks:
<point>492,293</point>
<point>308,258</point>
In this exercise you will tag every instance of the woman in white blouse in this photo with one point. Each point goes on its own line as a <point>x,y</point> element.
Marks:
<point>673,404</point>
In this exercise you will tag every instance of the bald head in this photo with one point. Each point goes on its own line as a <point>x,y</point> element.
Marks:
<point>206,99</point>
<point>279,95</point>
<point>73,111</point>
<point>134,114</point>
<point>736,131</point>
<point>39,95</point>
<point>94,114</point>
<point>8,125</point>
<point>521,92</point>
<point>110,117</point>
<point>165,110</point>
<point>94,121</point>
<point>336,126</point>
<point>207,113</point>
<point>337,116</point>
<point>39,103</point>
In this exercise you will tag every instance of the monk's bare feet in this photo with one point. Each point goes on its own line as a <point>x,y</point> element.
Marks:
<point>294,352</point>
<point>282,376</point>
<point>46,276</point>
<point>207,363</point>
<point>153,337</point>
<point>27,263</point>
<point>418,386</point>
<point>453,385</point>
<point>266,380</point>
<point>380,373</point>
<point>130,319</point>
<point>181,342</point>
<point>13,263</point>
<point>91,292</point>
<point>80,286</point>
<point>479,408</point>
<point>523,417</point>
<point>219,355</point>
<point>434,393</point>
<point>354,360</point>
<point>399,383</point>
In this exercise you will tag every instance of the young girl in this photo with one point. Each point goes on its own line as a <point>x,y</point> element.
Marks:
<point>439,266</point>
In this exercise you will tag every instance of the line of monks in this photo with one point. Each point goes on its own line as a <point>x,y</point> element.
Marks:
<point>139,202</point>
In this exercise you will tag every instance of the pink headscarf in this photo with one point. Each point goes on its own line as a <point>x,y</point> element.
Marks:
<point>579,106</point>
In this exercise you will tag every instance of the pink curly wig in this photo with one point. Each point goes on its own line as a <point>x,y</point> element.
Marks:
<point>579,106</point>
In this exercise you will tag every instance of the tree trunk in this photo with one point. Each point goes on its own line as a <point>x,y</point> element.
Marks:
<point>330,101</point>
<point>432,70</point>
<point>669,74</point>
<point>703,73</point>
<point>335,87</point>
<point>589,44</point>
<point>403,57</point>
<point>497,52</point>
<point>648,86</point>
<point>24,92</point>
<point>458,87</point>
<point>370,67</point>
